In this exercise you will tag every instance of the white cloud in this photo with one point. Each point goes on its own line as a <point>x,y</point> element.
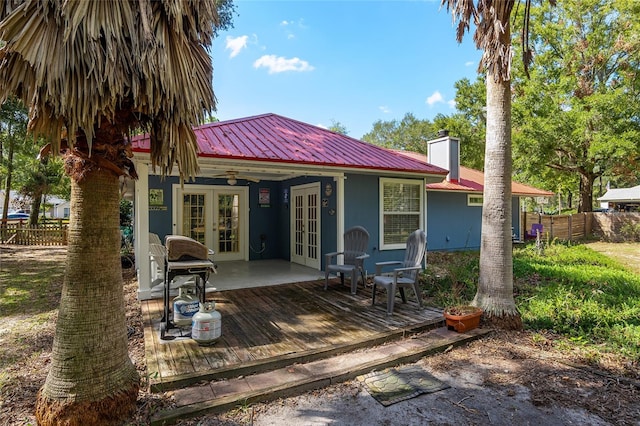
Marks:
<point>385,109</point>
<point>277,64</point>
<point>236,44</point>
<point>468,63</point>
<point>452,103</point>
<point>435,98</point>
<point>299,23</point>
<point>291,26</point>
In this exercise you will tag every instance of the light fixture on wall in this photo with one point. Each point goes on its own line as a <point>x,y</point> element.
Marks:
<point>232,180</point>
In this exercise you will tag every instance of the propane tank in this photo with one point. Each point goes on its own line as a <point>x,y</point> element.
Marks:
<point>185,306</point>
<point>206,326</point>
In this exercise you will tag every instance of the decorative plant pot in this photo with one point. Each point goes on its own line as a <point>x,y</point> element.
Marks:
<point>462,318</point>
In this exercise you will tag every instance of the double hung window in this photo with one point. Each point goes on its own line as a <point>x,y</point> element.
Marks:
<point>401,211</point>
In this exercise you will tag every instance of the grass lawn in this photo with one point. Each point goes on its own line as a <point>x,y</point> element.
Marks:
<point>628,254</point>
<point>587,300</point>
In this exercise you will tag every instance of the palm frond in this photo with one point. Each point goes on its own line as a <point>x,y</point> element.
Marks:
<point>492,35</point>
<point>79,62</point>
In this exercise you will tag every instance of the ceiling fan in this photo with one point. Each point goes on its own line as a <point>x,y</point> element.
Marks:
<point>233,176</point>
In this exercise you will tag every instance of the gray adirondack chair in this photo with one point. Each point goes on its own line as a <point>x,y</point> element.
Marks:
<point>356,240</point>
<point>404,274</point>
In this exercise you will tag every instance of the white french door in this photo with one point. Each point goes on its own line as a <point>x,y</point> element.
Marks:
<point>216,216</point>
<point>305,225</point>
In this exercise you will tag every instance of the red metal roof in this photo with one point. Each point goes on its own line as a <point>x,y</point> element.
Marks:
<point>273,138</point>
<point>472,180</point>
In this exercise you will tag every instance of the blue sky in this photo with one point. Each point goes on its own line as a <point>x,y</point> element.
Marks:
<point>354,62</point>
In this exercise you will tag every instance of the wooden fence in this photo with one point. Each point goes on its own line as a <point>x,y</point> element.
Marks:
<point>563,227</point>
<point>617,227</point>
<point>606,226</point>
<point>47,234</point>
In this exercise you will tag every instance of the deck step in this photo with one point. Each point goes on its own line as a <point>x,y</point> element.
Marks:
<point>225,394</point>
<point>280,361</point>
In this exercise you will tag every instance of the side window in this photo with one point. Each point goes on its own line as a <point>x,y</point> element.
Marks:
<point>474,200</point>
<point>401,211</point>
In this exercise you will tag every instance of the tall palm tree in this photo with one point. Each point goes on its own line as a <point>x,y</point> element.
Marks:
<point>92,71</point>
<point>493,37</point>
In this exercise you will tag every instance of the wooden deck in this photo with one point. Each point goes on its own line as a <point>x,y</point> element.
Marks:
<point>269,327</point>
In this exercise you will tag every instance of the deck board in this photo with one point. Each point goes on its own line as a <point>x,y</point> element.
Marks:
<point>278,323</point>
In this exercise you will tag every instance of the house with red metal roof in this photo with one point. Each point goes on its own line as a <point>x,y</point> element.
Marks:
<point>271,187</point>
<point>454,205</point>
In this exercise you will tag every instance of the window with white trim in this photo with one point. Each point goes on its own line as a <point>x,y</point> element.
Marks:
<point>474,200</point>
<point>401,211</point>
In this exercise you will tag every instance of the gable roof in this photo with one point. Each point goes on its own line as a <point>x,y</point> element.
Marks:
<point>621,195</point>
<point>472,180</point>
<point>281,140</point>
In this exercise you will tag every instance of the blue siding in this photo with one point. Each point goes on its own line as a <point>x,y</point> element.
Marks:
<point>265,221</point>
<point>160,221</point>
<point>451,224</point>
<point>515,215</point>
<point>361,196</point>
<point>284,213</point>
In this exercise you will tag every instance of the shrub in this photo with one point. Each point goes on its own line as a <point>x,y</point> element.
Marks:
<point>630,232</point>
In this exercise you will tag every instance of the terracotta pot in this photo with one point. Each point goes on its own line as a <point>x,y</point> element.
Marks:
<point>462,318</point>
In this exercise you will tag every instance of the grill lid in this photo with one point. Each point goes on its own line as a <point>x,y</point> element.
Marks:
<point>180,248</point>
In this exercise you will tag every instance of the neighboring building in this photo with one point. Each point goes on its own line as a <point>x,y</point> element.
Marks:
<point>58,208</point>
<point>17,202</point>
<point>621,199</point>
<point>55,207</point>
<point>454,205</point>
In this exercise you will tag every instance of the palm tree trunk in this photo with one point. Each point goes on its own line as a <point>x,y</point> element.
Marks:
<point>7,182</point>
<point>495,284</point>
<point>91,379</point>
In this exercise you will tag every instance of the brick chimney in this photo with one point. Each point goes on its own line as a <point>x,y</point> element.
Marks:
<point>445,152</point>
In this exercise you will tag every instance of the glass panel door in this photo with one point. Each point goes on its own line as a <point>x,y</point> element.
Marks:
<point>228,210</point>
<point>193,216</point>
<point>313,227</point>
<point>215,216</point>
<point>305,225</point>
<point>297,254</point>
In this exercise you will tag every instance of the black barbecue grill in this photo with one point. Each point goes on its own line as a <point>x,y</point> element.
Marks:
<point>185,256</point>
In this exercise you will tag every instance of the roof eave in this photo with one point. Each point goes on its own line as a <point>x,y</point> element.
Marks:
<point>280,165</point>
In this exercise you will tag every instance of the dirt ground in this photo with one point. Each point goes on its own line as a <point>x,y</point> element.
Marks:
<point>503,379</point>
